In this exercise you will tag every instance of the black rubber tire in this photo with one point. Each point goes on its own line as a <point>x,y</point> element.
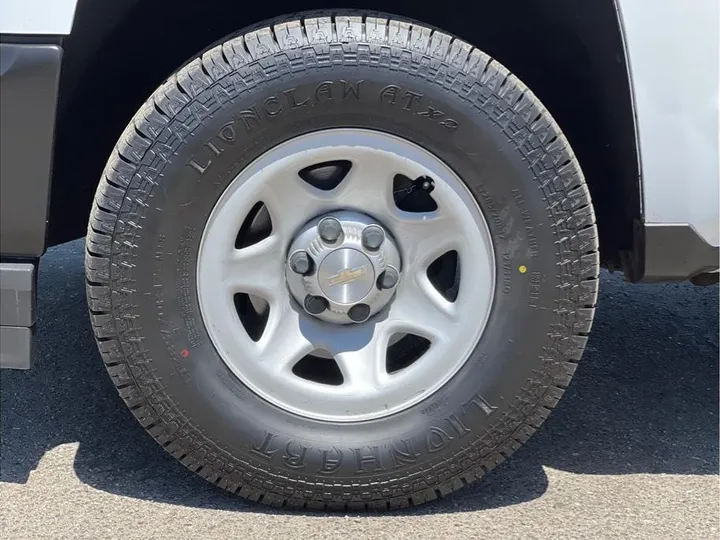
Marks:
<point>248,94</point>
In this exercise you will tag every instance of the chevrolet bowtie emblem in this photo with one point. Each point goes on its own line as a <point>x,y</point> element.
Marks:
<point>348,275</point>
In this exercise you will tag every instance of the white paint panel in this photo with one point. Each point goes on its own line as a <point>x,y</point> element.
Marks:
<point>674,58</point>
<point>47,17</point>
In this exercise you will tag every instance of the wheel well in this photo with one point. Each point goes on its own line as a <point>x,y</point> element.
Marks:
<point>571,56</point>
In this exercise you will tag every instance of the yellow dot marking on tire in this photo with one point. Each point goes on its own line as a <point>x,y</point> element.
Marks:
<point>522,268</point>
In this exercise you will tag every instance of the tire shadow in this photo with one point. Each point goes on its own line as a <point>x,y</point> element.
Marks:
<point>644,400</point>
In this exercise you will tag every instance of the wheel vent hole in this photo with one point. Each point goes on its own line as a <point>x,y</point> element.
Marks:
<point>253,312</point>
<point>256,227</point>
<point>414,195</point>
<point>444,274</point>
<point>327,175</point>
<point>320,367</point>
<point>404,350</point>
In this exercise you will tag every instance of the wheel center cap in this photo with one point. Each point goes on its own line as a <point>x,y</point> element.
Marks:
<point>346,276</point>
<point>343,267</point>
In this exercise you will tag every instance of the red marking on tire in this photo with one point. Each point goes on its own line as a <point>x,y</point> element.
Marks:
<point>184,353</point>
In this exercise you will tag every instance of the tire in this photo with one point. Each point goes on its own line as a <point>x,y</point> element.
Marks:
<point>174,162</point>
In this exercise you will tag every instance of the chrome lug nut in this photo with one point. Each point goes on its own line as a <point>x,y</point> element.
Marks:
<point>372,237</point>
<point>330,230</point>
<point>388,279</point>
<point>315,304</point>
<point>301,263</point>
<point>359,313</point>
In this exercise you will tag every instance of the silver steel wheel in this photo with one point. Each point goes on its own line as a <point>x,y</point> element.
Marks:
<point>432,321</point>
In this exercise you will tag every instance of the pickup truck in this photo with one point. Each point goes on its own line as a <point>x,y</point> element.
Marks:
<point>346,259</point>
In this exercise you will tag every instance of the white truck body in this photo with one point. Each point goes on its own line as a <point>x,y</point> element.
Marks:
<point>672,50</point>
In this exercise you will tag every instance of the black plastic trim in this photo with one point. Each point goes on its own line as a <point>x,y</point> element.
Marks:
<point>29,78</point>
<point>17,314</point>
<point>675,252</point>
<point>17,294</point>
<point>17,344</point>
<point>32,39</point>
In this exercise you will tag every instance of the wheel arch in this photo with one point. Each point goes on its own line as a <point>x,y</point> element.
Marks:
<point>571,57</point>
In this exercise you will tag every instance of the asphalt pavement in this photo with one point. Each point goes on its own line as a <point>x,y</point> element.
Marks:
<point>630,452</point>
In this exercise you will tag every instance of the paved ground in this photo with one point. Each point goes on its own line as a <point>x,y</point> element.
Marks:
<point>631,452</point>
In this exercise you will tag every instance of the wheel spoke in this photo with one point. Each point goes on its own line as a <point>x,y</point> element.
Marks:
<point>369,182</point>
<point>291,202</point>
<point>360,353</point>
<point>283,342</point>
<point>420,309</point>
<point>424,237</point>
<point>360,369</point>
<point>256,269</point>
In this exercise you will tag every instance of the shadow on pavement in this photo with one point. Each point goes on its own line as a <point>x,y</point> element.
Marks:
<point>644,400</point>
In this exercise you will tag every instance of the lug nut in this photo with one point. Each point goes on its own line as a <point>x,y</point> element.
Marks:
<point>359,312</point>
<point>388,279</point>
<point>315,304</point>
<point>330,229</point>
<point>301,263</point>
<point>372,237</point>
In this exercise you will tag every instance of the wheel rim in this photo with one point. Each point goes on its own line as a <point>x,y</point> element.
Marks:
<point>431,321</point>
